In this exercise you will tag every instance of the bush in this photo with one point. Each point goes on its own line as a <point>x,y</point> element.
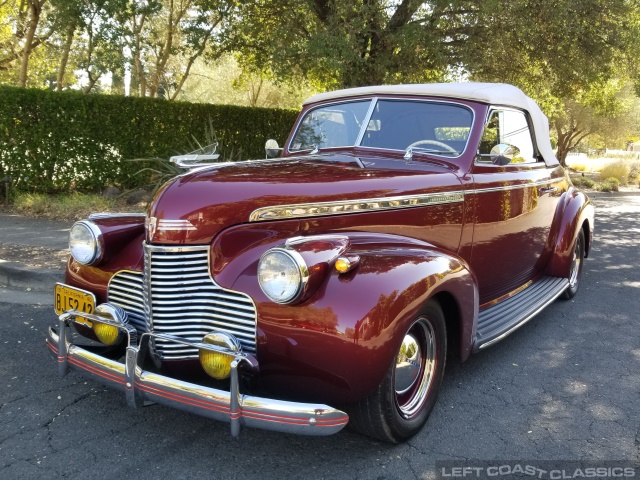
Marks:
<point>611,184</point>
<point>634,170</point>
<point>60,142</point>
<point>580,181</point>
<point>578,167</point>
<point>618,170</point>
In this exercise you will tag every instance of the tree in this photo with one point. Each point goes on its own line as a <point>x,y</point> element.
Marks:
<point>223,81</point>
<point>571,56</point>
<point>603,110</point>
<point>346,44</point>
<point>165,39</point>
<point>27,21</point>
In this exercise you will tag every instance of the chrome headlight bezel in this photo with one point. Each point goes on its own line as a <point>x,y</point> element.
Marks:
<point>94,242</point>
<point>296,265</point>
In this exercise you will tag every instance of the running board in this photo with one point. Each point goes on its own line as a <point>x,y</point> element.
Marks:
<point>498,321</point>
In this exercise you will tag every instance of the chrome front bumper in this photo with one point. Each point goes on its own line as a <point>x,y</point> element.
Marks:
<point>142,386</point>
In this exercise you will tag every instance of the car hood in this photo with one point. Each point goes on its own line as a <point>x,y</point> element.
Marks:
<point>194,207</point>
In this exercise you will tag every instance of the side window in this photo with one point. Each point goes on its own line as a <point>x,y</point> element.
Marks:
<point>507,127</point>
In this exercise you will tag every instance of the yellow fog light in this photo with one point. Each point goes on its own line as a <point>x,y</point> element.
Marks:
<point>107,334</point>
<point>217,364</point>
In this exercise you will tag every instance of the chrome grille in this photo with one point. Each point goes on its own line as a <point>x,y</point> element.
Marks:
<point>125,290</point>
<point>182,299</point>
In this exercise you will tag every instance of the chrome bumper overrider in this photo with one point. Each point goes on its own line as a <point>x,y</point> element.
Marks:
<point>142,386</point>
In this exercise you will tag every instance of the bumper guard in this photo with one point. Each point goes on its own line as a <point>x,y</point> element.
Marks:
<point>142,386</point>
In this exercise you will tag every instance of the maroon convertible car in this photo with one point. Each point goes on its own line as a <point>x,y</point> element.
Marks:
<point>399,225</point>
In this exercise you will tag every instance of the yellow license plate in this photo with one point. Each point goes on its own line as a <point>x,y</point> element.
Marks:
<point>69,298</point>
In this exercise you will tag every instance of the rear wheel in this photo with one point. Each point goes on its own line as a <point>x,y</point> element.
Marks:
<point>575,274</point>
<point>401,404</point>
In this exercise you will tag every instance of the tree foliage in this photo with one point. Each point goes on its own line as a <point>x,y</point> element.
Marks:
<point>577,58</point>
<point>345,44</point>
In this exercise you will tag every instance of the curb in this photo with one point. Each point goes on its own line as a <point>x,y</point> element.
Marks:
<point>595,194</point>
<point>14,275</point>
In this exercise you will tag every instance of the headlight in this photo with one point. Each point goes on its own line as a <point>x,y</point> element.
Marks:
<point>282,275</point>
<point>85,242</point>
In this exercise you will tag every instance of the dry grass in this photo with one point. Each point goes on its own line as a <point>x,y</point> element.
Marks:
<point>68,207</point>
<point>619,170</point>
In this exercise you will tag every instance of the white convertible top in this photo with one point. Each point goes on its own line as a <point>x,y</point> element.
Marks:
<point>490,93</point>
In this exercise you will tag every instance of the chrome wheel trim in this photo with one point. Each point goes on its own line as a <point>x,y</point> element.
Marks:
<point>576,263</point>
<point>419,351</point>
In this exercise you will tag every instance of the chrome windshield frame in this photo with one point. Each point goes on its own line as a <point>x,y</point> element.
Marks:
<point>363,128</point>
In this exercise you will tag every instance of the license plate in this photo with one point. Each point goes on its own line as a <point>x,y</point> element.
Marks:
<point>69,298</point>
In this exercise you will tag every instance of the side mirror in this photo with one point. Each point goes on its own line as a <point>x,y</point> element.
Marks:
<point>271,148</point>
<point>503,153</point>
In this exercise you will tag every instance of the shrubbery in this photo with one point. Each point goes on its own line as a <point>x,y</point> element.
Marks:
<point>619,170</point>
<point>610,184</point>
<point>57,142</point>
<point>580,181</point>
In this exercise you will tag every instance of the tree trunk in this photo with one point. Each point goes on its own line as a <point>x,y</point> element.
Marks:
<point>65,57</point>
<point>561,155</point>
<point>35,8</point>
<point>90,85</point>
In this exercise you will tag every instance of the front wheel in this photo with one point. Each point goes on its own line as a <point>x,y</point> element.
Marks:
<point>399,407</point>
<point>575,274</point>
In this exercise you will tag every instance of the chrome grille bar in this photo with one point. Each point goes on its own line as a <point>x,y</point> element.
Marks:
<point>181,299</point>
<point>125,291</point>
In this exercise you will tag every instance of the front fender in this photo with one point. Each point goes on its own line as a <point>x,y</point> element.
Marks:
<point>578,212</point>
<point>340,342</point>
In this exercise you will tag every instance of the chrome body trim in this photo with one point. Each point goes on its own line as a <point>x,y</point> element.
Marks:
<point>353,206</point>
<point>230,406</point>
<point>328,237</point>
<point>107,215</point>
<point>175,225</point>
<point>516,186</point>
<point>340,207</point>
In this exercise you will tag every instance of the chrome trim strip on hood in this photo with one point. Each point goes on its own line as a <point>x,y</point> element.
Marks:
<point>340,207</point>
<point>353,206</point>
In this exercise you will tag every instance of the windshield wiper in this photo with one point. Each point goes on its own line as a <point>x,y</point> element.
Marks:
<point>408,155</point>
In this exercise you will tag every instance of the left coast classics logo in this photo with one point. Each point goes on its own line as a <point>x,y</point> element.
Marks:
<point>151,225</point>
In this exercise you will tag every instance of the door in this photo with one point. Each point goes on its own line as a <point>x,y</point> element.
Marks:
<point>515,197</point>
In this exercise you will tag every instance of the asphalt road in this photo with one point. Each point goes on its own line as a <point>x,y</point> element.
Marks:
<point>565,386</point>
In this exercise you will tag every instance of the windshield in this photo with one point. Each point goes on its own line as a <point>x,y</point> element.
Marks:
<point>331,126</point>
<point>433,127</point>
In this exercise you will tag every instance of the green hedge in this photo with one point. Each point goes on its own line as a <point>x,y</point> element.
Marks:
<point>56,142</point>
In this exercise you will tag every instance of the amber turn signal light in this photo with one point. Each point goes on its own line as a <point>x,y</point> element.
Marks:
<point>346,263</point>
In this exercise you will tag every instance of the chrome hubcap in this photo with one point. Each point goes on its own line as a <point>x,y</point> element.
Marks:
<point>575,263</point>
<point>415,366</point>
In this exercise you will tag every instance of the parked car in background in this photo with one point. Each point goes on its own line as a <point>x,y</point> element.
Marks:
<point>399,225</point>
